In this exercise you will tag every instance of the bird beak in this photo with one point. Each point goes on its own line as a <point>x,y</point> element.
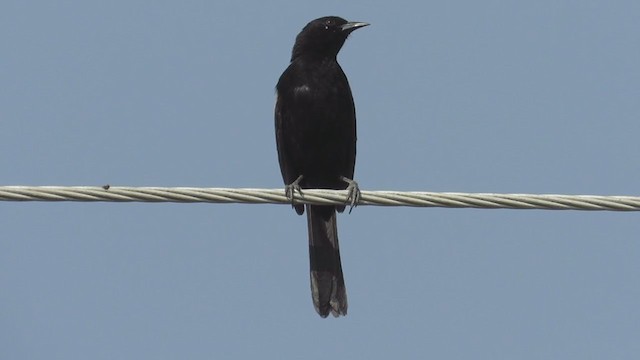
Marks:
<point>354,25</point>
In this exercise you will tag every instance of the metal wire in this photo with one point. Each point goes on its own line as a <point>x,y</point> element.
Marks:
<point>319,197</point>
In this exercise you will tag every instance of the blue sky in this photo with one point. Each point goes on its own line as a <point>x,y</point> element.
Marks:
<point>466,96</point>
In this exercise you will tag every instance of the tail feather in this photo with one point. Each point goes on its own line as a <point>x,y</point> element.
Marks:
<point>327,282</point>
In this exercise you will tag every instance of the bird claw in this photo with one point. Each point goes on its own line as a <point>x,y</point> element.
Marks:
<point>353,195</point>
<point>290,190</point>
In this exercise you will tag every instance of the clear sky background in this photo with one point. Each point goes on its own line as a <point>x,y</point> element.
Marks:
<point>466,96</point>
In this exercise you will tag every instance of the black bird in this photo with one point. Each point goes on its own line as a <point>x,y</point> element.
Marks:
<point>315,122</point>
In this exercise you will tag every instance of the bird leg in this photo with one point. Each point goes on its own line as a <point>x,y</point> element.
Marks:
<point>354,193</point>
<point>290,190</point>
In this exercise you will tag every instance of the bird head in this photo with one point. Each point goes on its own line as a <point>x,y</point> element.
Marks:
<point>324,37</point>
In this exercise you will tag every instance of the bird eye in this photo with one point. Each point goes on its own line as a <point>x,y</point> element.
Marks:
<point>327,24</point>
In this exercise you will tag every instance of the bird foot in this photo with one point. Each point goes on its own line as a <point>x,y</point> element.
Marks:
<point>353,196</point>
<point>290,190</point>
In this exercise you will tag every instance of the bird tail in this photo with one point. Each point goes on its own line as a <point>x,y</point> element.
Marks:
<point>327,283</point>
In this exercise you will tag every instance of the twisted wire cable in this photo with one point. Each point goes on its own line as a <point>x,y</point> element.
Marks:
<point>319,197</point>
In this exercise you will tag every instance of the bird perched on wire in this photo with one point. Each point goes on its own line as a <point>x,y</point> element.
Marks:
<point>315,122</point>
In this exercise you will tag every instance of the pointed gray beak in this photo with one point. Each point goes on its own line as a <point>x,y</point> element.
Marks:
<point>353,25</point>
